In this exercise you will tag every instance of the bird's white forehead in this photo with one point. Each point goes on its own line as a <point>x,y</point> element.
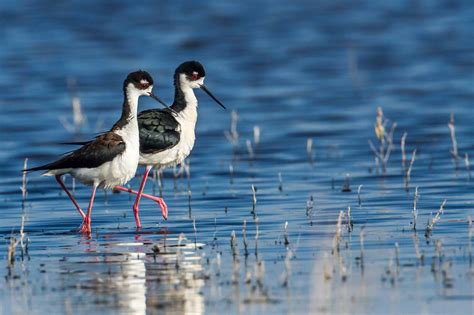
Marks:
<point>143,81</point>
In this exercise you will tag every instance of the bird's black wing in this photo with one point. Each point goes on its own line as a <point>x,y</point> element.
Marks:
<point>93,154</point>
<point>159,130</point>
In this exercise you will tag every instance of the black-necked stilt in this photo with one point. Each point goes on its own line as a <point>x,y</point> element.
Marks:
<point>112,158</point>
<point>167,135</point>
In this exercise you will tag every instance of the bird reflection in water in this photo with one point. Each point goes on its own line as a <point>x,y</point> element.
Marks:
<point>142,277</point>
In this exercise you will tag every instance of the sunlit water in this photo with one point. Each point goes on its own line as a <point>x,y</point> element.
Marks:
<point>298,71</point>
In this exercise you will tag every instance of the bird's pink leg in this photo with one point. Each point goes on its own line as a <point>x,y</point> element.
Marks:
<point>60,182</point>
<point>139,195</point>
<point>160,201</point>
<point>86,224</point>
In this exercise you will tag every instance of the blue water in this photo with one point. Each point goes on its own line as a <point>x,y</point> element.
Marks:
<point>297,70</point>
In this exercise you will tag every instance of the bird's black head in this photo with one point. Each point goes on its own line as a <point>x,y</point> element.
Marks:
<point>140,79</point>
<point>193,70</point>
<point>191,74</point>
<point>140,82</point>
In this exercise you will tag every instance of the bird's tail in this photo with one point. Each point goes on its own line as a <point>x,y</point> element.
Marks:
<point>45,167</point>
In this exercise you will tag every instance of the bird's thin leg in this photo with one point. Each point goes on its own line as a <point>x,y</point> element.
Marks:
<point>60,182</point>
<point>86,224</point>
<point>139,195</point>
<point>160,201</point>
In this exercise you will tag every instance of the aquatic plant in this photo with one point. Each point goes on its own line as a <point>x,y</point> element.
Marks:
<point>23,188</point>
<point>402,150</point>
<point>415,208</point>
<point>384,138</point>
<point>454,142</point>
<point>408,172</point>
<point>437,217</point>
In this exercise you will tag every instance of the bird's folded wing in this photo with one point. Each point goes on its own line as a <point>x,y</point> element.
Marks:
<point>159,130</point>
<point>93,154</point>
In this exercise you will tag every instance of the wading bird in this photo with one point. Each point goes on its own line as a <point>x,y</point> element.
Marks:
<point>111,158</point>
<point>167,135</point>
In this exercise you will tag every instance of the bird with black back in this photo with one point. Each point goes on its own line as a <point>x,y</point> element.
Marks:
<point>112,158</point>
<point>167,135</point>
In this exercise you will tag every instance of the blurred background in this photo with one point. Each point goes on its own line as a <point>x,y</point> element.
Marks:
<point>296,70</point>
<point>263,58</point>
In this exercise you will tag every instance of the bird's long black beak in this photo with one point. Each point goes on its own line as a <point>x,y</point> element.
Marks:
<point>156,98</point>
<point>206,90</point>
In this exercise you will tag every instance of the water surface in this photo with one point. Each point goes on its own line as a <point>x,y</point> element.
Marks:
<point>297,71</point>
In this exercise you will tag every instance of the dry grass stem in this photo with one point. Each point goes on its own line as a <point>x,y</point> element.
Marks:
<point>23,188</point>
<point>337,236</point>
<point>385,140</point>
<point>23,245</point>
<point>415,208</point>
<point>410,167</point>
<point>454,143</point>
<point>437,217</point>
<point>285,235</point>
<point>350,225</point>
<point>402,149</point>
<point>254,198</point>
<point>310,208</point>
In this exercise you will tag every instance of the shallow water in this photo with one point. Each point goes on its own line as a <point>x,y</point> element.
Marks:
<point>297,71</point>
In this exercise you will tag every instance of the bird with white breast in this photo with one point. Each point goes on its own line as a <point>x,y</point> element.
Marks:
<point>167,135</point>
<point>112,158</point>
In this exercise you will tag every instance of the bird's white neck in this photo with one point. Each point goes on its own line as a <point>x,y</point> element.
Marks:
<point>189,113</point>
<point>132,95</point>
<point>127,124</point>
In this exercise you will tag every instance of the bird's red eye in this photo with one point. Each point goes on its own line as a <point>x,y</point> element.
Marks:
<point>195,76</point>
<point>144,84</point>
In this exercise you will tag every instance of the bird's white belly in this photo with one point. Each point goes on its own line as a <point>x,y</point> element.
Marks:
<point>119,171</point>
<point>174,155</point>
